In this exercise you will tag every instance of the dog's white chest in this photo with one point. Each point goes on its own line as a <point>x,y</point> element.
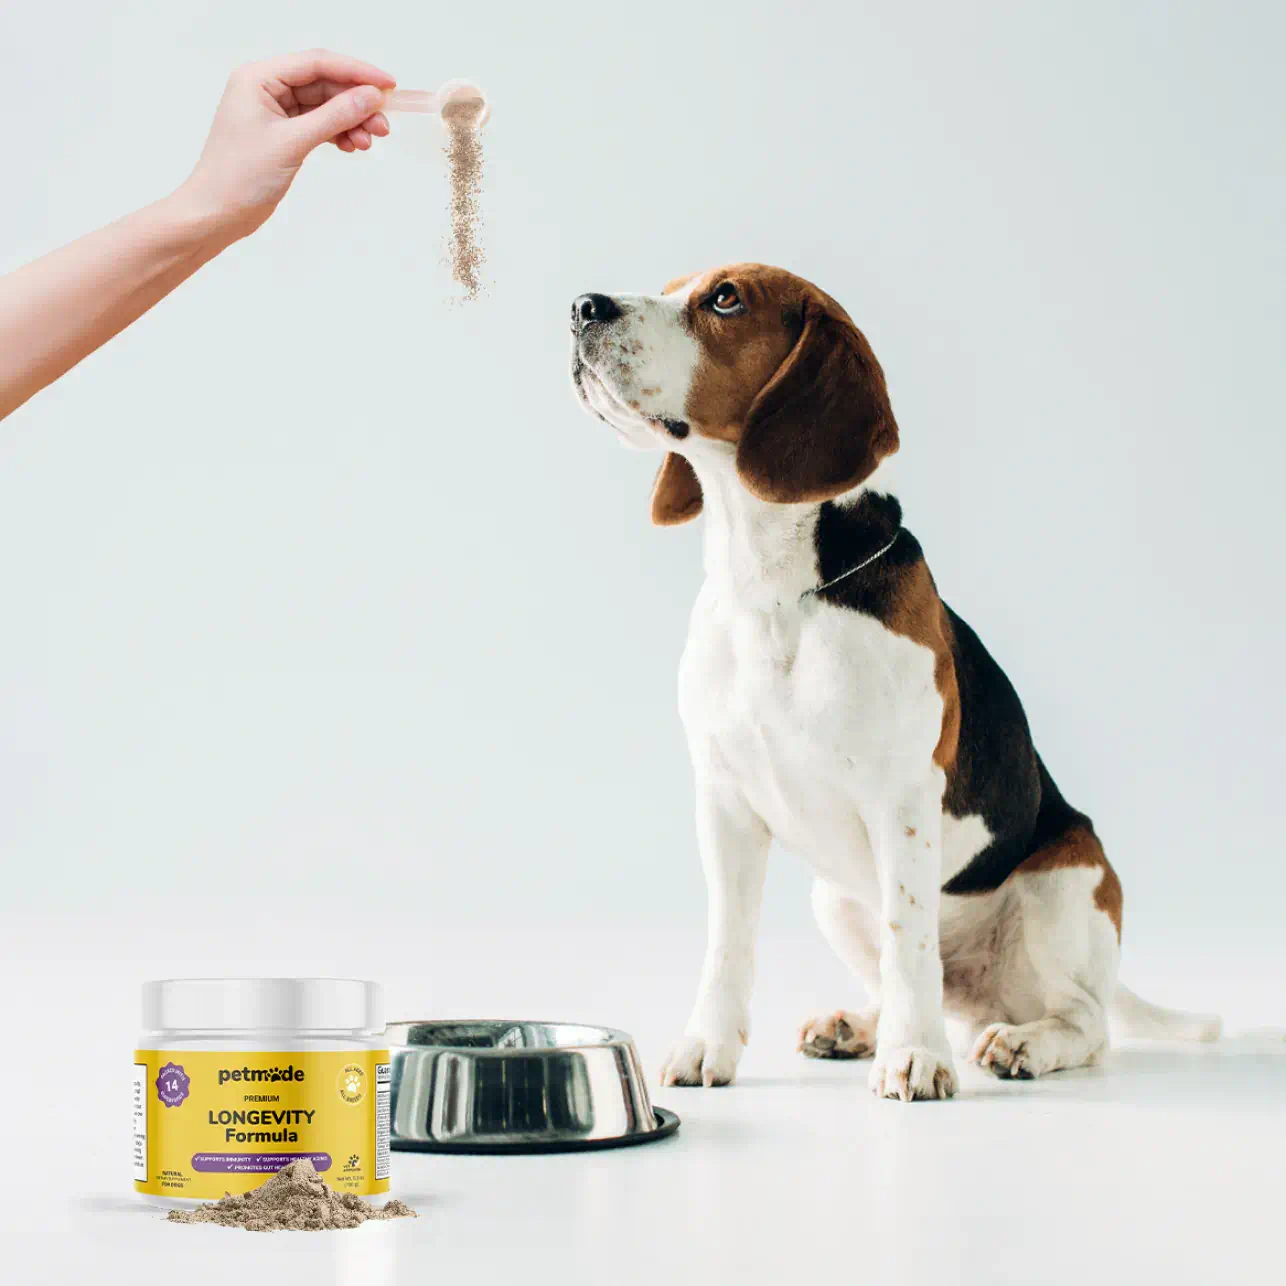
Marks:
<point>813,712</point>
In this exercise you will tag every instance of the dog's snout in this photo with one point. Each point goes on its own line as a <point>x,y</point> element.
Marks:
<point>587,309</point>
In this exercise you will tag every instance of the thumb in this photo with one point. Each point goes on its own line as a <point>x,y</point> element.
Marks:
<point>336,115</point>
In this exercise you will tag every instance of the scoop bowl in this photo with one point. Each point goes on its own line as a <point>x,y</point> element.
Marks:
<point>431,102</point>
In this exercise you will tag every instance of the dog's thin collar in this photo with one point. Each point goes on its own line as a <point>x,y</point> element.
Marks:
<point>866,562</point>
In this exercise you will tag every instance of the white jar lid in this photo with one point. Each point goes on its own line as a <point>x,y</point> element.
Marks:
<point>282,1004</point>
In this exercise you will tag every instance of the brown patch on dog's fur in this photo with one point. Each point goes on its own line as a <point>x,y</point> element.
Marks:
<point>740,354</point>
<point>791,381</point>
<point>823,422</point>
<point>1079,846</point>
<point>676,493</point>
<point>1109,897</point>
<point>919,614</point>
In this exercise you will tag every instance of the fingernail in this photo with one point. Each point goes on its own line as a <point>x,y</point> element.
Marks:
<point>368,98</point>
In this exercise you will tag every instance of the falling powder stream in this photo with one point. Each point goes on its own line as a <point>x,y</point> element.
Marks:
<point>464,156</point>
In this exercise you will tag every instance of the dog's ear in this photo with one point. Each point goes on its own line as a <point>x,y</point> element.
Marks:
<point>676,493</point>
<point>823,422</point>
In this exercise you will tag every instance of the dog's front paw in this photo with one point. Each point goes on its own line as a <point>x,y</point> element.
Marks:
<point>699,1060</point>
<point>912,1072</point>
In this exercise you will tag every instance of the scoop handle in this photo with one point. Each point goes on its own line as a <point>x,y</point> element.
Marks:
<point>425,101</point>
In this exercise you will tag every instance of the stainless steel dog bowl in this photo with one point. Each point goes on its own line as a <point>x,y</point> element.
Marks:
<point>493,1086</point>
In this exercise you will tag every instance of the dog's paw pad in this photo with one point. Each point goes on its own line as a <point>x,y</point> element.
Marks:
<point>696,1060</point>
<point>838,1035</point>
<point>913,1072</point>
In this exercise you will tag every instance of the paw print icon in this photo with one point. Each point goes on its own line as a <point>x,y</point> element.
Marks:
<point>353,1160</point>
<point>351,1083</point>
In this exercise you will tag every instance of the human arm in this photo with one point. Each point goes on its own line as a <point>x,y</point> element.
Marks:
<point>57,310</point>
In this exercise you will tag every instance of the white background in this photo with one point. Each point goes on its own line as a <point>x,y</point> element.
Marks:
<point>333,638</point>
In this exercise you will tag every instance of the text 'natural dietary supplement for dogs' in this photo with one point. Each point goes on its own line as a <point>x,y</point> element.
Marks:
<point>235,1078</point>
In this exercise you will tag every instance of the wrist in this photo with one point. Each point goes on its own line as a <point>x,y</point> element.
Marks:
<point>202,221</point>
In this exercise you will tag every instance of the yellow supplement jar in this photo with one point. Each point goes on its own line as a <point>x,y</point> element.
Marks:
<point>234,1078</point>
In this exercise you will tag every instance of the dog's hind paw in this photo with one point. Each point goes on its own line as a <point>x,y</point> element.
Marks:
<point>911,1073</point>
<point>1004,1051</point>
<point>1021,1053</point>
<point>698,1061</point>
<point>839,1035</point>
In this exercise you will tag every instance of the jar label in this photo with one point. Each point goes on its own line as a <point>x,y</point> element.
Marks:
<point>208,1122</point>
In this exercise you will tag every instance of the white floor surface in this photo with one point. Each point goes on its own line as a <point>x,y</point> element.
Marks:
<point>1166,1165</point>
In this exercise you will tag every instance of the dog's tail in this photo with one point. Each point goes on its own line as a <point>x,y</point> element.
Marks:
<point>1134,1016</point>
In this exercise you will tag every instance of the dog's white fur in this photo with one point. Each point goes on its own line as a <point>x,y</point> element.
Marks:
<point>816,725</point>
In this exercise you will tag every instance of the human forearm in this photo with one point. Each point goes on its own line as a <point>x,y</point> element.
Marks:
<point>56,311</point>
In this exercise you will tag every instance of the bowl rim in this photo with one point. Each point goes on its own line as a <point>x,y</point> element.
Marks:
<point>611,1037</point>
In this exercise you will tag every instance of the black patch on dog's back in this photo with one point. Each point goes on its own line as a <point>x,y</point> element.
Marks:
<point>997,773</point>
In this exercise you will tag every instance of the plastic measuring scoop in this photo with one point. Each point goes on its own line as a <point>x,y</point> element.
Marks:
<point>430,103</point>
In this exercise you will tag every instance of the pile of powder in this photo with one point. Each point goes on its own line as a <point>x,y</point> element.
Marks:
<point>462,117</point>
<point>295,1199</point>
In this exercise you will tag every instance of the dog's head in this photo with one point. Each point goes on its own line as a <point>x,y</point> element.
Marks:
<point>747,364</point>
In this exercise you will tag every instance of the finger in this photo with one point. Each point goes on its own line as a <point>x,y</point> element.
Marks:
<point>300,99</point>
<point>317,92</point>
<point>362,136</point>
<point>335,116</point>
<point>321,64</point>
<point>344,143</point>
<point>283,95</point>
<point>322,91</point>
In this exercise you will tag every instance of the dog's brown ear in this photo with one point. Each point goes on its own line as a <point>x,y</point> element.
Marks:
<point>676,494</point>
<point>823,422</point>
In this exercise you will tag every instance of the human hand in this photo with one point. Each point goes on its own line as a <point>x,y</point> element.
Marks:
<point>272,114</point>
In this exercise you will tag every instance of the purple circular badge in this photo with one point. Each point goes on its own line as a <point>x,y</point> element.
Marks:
<point>172,1084</point>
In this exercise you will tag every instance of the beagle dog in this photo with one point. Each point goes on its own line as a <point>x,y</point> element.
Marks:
<point>833,701</point>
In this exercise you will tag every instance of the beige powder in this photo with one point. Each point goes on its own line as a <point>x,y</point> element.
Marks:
<point>464,157</point>
<point>295,1199</point>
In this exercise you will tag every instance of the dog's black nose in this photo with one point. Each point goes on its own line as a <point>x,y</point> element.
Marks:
<point>593,308</point>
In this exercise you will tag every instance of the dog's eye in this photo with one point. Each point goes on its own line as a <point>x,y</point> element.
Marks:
<point>725,299</point>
